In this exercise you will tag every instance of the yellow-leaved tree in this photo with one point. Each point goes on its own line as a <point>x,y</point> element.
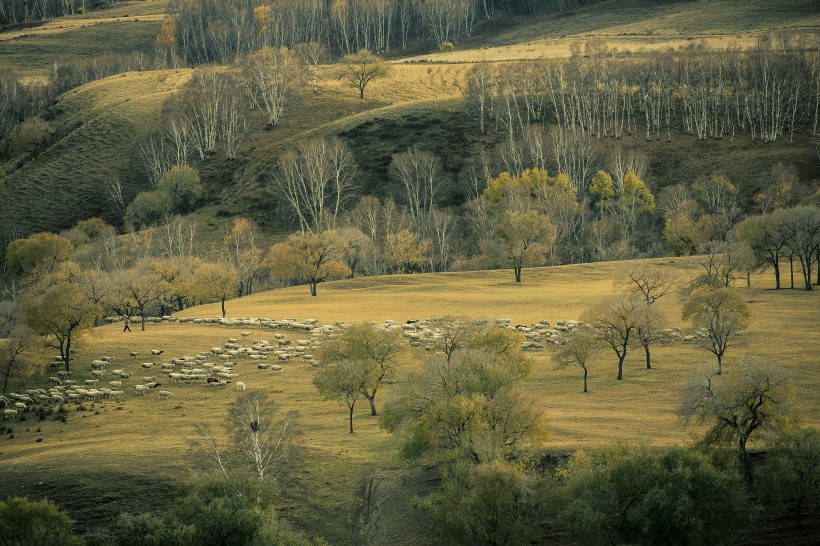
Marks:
<point>309,257</point>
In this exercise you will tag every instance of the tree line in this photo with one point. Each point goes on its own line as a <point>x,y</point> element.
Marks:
<point>205,31</point>
<point>14,11</point>
<point>768,92</point>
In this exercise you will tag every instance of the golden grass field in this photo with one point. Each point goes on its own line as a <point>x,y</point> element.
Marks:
<point>127,456</point>
<point>146,439</point>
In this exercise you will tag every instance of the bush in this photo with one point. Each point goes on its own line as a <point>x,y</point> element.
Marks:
<point>447,46</point>
<point>498,503</point>
<point>640,496</point>
<point>790,475</point>
<point>182,186</point>
<point>33,136</point>
<point>35,522</point>
<point>148,209</point>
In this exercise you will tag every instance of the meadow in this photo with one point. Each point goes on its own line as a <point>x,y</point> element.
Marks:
<point>127,456</point>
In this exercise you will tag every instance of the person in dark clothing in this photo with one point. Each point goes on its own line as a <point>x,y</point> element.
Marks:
<point>126,324</point>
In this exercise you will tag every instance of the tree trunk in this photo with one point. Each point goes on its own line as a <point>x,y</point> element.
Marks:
<point>313,288</point>
<point>791,270</point>
<point>777,274</point>
<point>67,355</point>
<point>648,358</point>
<point>223,307</point>
<point>142,317</point>
<point>351,419</point>
<point>745,459</point>
<point>517,274</point>
<point>720,364</point>
<point>585,380</point>
<point>621,367</point>
<point>372,400</point>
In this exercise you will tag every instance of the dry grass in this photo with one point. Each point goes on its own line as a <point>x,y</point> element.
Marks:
<point>634,25</point>
<point>145,437</point>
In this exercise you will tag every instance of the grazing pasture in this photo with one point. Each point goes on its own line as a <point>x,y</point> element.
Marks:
<point>130,453</point>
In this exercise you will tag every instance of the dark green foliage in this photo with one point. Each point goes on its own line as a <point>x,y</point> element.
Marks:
<point>148,208</point>
<point>220,512</point>
<point>182,186</point>
<point>790,474</point>
<point>498,503</point>
<point>147,530</point>
<point>636,495</point>
<point>35,523</point>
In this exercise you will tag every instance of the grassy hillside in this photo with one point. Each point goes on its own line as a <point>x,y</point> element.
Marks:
<point>126,27</point>
<point>104,121</point>
<point>82,463</point>
<point>419,104</point>
<point>632,25</point>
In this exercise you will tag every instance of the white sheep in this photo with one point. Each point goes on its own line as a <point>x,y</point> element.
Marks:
<point>134,354</point>
<point>97,373</point>
<point>147,365</point>
<point>115,384</point>
<point>141,389</point>
<point>240,386</point>
<point>20,406</point>
<point>164,394</point>
<point>9,413</point>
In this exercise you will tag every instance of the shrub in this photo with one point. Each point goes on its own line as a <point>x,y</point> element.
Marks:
<point>790,474</point>
<point>640,496</point>
<point>182,186</point>
<point>35,522</point>
<point>147,209</point>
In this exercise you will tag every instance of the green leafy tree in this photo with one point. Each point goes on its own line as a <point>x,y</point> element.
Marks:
<point>35,523</point>
<point>148,209</point>
<point>359,69</point>
<point>344,380</point>
<point>755,398</point>
<point>219,512</point>
<point>40,253</point>
<point>722,314</point>
<point>376,351</point>
<point>469,408</point>
<point>602,191</point>
<point>182,186</point>
<point>499,502</point>
<point>636,495</point>
<point>634,200</point>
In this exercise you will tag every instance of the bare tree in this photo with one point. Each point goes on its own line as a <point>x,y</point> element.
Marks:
<point>580,348</point>
<point>722,314</point>
<point>754,398</point>
<point>262,440</point>
<point>316,179</point>
<point>420,177</point>
<point>616,321</point>
<point>269,77</point>
<point>361,68</point>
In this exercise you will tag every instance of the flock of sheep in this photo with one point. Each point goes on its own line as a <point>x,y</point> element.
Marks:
<point>216,366</point>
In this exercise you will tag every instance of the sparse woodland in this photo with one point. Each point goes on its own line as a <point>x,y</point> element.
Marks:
<point>224,199</point>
